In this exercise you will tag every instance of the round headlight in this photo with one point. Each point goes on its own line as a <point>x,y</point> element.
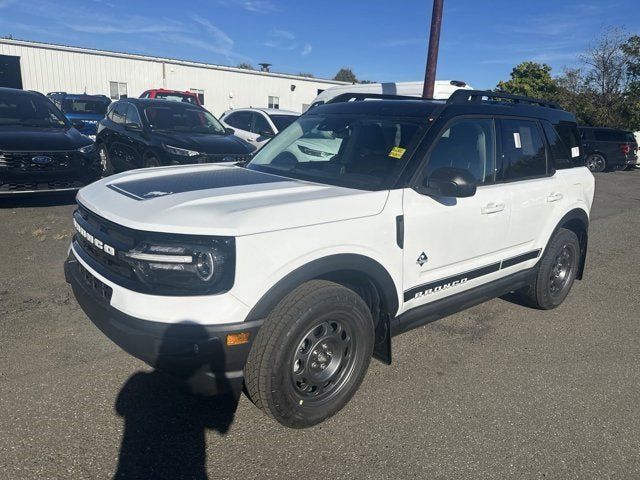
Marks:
<point>205,267</point>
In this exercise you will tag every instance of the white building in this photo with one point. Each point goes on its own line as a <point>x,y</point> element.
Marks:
<point>55,68</point>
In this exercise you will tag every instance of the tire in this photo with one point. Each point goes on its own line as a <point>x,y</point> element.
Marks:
<point>557,272</point>
<point>105,166</point>
<point>151,161</point>
<point>311,354</point>
<point>596,162</point>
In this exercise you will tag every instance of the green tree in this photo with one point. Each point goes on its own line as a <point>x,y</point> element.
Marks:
<point>306,74</point>
<point>246,66</point>
<point>631,49</point>
<point>346,75</point>
<point>531,79</point>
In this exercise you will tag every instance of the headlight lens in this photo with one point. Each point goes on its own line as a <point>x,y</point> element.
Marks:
<point>182,152</point>
<point>88,149</point>
<point>190,269</point>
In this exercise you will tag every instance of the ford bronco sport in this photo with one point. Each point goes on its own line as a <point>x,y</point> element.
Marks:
<point>289,273</point>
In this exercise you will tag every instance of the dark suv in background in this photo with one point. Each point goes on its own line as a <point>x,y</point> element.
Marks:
<point>82,110</point>
<point>39,148</point>
<point>138,133</point>
<point>608,148</point>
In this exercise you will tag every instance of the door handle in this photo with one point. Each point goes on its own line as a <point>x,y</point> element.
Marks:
<point>493,207</point>
<point>554,197</point>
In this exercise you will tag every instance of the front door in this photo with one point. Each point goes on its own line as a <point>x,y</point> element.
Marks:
<point>453,244</point>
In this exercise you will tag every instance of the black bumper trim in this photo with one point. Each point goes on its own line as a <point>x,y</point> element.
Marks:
<point>192,352</point>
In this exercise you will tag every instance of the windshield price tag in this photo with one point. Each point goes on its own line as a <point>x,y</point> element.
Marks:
<point>397,152</point>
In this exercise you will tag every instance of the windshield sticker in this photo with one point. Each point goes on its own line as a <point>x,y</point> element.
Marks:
<point>575,152</point>
<point>397,152</point>
<point>516,140</point>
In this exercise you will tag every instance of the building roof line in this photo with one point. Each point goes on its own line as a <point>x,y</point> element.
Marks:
<point>151,58</point>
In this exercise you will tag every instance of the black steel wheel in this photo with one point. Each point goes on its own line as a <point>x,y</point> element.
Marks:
<point>311,354</point>
<point>596,162</point>
<point>556,272</point>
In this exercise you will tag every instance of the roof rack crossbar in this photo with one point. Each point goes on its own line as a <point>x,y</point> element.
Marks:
<point>346,97</point>
<point>476,96</point>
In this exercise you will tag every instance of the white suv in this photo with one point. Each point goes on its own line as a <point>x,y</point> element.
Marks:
<point>257,125</point>
<point>289,273</point>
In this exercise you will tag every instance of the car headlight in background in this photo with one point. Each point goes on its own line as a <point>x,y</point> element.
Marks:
<point>88,149</point>
<point>189,269</point>
<point>182,152</point>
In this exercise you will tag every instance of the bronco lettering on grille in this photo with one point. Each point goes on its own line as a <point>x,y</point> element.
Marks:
<point>93,240</point>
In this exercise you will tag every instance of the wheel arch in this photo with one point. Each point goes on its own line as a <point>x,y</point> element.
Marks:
<point>361,273</point>
<point>577,221</point>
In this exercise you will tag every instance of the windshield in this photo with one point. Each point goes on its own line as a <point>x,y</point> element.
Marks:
<point>180,118</point>
<point>176,97</point>
<point>29,110</point>
<point>93,107</point>
<point>283,121</point>
<point>357,152</point>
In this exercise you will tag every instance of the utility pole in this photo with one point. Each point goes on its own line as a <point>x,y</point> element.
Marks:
<point>432,54</point>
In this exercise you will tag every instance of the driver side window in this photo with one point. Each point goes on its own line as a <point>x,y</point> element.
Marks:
<point>467,143</point>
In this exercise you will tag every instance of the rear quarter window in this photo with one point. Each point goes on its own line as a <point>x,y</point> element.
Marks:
<point>563,139</point>
<point>610,136</point>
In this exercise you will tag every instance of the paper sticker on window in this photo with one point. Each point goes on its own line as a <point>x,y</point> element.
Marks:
<point>397,152</point>
<point>516,139</point>
<point>575,152</point>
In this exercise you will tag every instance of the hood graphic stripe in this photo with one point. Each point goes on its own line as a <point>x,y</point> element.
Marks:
<point>160,186</point>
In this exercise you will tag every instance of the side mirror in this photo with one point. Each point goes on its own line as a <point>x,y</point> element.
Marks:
<point>449,182</point>
<point>267,133</point>
<point>230,131</point>
<point>132,127</point>
<point>78,124</point>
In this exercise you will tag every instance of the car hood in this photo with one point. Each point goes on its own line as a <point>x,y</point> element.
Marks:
<point>206,143</point>
<point>40,139</point>
<point>222,200</point>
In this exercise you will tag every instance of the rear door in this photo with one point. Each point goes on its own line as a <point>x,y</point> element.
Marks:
<point>535,192</point>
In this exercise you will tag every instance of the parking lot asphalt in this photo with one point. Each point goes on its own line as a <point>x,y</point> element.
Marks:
<point>497,391</point>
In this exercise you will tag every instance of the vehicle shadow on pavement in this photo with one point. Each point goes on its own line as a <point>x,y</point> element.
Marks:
<point>165,424</point>
<point>40,200</point>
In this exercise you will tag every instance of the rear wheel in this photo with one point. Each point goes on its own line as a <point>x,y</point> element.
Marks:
<point>556,273</point>
<point>596,162</point>
<point>311,354</point>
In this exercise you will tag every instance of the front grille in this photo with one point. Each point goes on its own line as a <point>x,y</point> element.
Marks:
<point>29,186</point>
<point>22,162</point>
<point>109,233</point>
<point>214,158</point>
<point>101,289</point>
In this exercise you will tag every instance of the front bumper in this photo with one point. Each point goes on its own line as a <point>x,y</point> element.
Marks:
<point>195,353</point>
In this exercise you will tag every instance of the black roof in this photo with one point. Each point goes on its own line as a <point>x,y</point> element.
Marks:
<point>463,102</point>
<point>17,90</point>
<point>145,102</point>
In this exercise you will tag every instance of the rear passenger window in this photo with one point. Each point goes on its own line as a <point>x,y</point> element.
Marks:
<point>563,144</point>
<point>466,143</point>
<point>609,135</point>
<point>523,151</point>
<point>119,113</point>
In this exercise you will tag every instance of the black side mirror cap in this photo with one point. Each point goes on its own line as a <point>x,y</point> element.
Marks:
<point>229,131</point>
<point>449,182</point>
<point>267,133</point>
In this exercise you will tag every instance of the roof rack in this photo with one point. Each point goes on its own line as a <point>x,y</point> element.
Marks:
<point>346,97</point>
<point>476,96</point>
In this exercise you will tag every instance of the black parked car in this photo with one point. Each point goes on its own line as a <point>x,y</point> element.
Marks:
<point>39,148</point>
<point>608,148</point>
<point>148,133</point>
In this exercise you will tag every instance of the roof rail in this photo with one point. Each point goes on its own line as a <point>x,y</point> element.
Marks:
<point>346,97</point>
<point>56,93</point>
<point>467,96</point>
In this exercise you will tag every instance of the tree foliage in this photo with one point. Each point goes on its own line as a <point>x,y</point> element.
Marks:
<point>603,91</point>
<point>346,75</point>
<point>246,66</point>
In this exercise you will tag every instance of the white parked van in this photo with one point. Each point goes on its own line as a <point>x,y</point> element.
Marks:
<point>442,89</point>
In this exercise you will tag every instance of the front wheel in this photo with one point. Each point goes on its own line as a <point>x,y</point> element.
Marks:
<point>311,354</point>
<point>556,273</point>
<point>596,162</point>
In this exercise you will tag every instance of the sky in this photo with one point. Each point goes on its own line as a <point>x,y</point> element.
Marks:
<point>383,41</point>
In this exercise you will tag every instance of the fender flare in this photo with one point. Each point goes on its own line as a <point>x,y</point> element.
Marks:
<point>577,216</point>
<point>367,266</point>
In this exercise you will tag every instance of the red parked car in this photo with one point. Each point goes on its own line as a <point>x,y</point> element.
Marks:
<point>175,95</point>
